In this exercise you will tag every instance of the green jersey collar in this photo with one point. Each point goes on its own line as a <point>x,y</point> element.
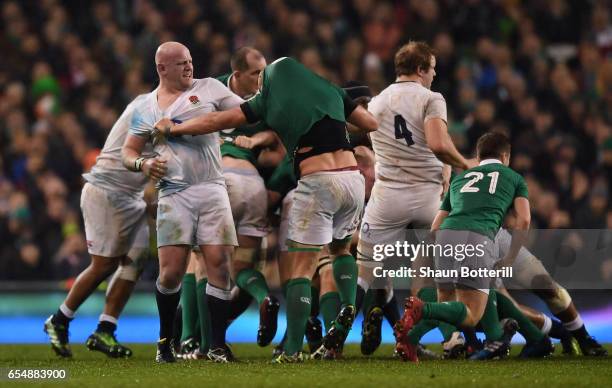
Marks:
<point>489,161</point>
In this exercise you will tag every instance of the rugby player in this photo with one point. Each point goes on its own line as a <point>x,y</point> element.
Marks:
<point>117,236</point>
<point>193,206</point>
<point>472,213</point>
<point>411,147</point>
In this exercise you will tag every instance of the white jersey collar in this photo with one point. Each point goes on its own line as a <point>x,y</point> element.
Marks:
<point>489,161</point>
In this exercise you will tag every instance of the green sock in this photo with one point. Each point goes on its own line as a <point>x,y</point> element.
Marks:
<point>298,311</point>
<point>204,316</point>
<point>345,274</point>
<point>507,309</point>
<point>490,320</point>
<point>253,282</point>
<point>315,301</point>
<point>329,306</point>
<point>420,329</point>
<point>450,312</point>
<point>189,306</point>
<point>430,294</point>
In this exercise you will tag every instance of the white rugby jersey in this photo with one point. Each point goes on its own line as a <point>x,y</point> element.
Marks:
<point>191,159</point>
<point>402,155</point>
<point>109,173</point>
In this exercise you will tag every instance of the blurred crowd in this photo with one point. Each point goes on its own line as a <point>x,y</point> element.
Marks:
<point>539,70</point>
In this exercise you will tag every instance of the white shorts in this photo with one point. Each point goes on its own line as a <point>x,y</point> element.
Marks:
<point>198,215</point>
<point>326,206</point>
<point>114,221</point>
<point>249,201</point>
<point>284,221</point>
<point>392,211</point>
<point>527,268</point>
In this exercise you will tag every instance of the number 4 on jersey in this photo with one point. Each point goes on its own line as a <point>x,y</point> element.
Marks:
<point>401,130</point>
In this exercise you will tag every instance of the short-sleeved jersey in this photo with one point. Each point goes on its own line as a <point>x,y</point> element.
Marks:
<point>108,172</point>
<point>229,149</point>
<point>282,179</point>
<point>479,198</point>
<point>402,154</point>
<point>190,159</point>
<point>292,99</point>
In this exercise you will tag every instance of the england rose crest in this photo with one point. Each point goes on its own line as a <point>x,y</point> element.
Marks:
<point>194,99</point>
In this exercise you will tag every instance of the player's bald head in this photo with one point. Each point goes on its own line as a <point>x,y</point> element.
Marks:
<point>246,57</point>
<point>174,65</point>
<point>168,51</point>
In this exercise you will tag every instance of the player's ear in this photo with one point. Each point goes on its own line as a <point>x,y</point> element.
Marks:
<point>422,72</point>
<point>506,158</point>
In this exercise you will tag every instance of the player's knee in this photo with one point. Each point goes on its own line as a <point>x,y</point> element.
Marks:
<point>544,287</point>
<point>131,268</point>
<point>104,266</point>
<point>170,277</point>
<point>130,272</point>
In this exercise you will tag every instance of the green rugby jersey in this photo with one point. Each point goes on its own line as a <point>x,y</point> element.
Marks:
<point>293,98</point>
<point>224,79</point>
<point>282,179</point>
<point>479,198</point>
<point>229,149</point>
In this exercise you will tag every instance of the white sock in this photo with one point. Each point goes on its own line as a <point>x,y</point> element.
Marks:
<point>218,293</point>
<point>389,295</point>
<point>363,284</point>
<point>167,291</point>
<point>108,318</point>
<point>547,325</point>
<point>575,324</point>
<point>66,311</point>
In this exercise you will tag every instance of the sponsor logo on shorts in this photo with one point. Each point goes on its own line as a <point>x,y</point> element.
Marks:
<point>344,277</point>
<point>304,299</point>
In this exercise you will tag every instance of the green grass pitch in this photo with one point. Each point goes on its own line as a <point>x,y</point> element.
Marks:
<point>254,370</point>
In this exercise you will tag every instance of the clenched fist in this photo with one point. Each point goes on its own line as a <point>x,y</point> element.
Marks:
<point>161,131</point>
<point>244,142</point>
<point>154,168</point>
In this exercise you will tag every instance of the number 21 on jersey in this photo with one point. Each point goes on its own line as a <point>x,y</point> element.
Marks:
<point>477,176</point>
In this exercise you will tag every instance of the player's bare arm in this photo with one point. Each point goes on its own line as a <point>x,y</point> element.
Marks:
<point>440,143</point>
<point>435,225</point>
<point>131,155</point>
<point>521,228</point>
<point>260,139</point>
<point>446,175</point>
<point>362,121</point>
<point>208,123</point>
